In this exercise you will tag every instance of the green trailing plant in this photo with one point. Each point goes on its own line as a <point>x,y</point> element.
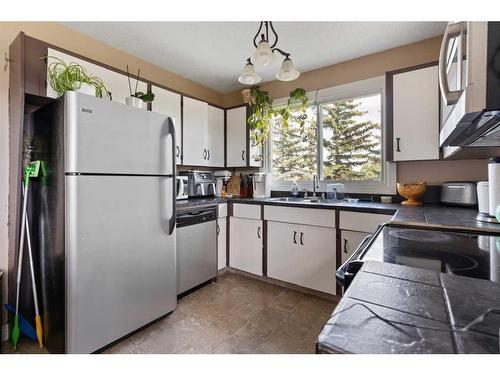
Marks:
<point>64,77</point>
<point>261,109</point>
<point>147,97</point>
<point>262,112</point>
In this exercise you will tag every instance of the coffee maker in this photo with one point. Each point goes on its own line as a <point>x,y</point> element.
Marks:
<point>261,185</point>
<point>221,177</point>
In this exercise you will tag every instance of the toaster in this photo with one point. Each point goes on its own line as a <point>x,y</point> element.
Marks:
<point>460,193</point>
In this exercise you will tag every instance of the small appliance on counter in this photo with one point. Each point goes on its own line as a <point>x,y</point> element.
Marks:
<point>200,183</point>
<point>494,187</point>
<point>261,185</point>
<point>460,193</point>
<point>182,187</point>
<point>221,177</point>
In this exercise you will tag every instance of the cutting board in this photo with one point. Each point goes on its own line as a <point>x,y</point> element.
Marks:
<point>233,186</point>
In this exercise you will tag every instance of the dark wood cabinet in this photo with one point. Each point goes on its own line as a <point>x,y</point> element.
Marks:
<point>35,66</point>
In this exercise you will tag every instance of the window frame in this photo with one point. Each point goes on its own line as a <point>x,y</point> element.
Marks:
<point>371,86</point>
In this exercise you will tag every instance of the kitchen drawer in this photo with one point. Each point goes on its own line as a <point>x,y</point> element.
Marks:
<point>247,211</point>
<point>308,216</point>
<point>222,210</point>
<point>362,221</point>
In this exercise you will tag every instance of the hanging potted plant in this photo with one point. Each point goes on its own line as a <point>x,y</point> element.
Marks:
<point>262,112</point>
<point>138,99</point>
<point>64,77</point>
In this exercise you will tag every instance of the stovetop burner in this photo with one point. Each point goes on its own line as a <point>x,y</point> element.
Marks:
<point>459,253</point>
<point>416,235</point>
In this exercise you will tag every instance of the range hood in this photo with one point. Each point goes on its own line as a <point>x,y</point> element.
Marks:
<point>476,129</point>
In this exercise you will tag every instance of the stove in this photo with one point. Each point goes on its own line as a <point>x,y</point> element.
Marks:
<point>463,253</point>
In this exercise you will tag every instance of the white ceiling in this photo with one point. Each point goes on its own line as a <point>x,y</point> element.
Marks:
<point>213,53</point>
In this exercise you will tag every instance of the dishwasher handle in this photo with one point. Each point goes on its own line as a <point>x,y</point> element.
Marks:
<point>195,217</point>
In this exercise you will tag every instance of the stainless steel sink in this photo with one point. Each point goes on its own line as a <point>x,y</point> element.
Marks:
<point>304,200</point>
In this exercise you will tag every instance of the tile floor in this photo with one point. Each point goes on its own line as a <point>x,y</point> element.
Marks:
<point>237,314</point>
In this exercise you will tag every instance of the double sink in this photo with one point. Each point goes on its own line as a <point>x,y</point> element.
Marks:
<point>305,200</point>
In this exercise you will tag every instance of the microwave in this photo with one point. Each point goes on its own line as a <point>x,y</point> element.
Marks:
<point>469,82</point>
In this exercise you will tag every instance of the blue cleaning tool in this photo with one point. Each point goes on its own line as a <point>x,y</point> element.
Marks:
<point>26,328</point>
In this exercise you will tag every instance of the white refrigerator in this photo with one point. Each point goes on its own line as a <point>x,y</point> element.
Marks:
<point>107,210</point>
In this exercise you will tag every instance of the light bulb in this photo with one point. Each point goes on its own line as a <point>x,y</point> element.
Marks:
<point>287,71</point>
<point>263,54</point>
<point>249,76</point>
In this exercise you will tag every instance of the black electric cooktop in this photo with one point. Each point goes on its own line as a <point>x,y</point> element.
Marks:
<point>458,253</point>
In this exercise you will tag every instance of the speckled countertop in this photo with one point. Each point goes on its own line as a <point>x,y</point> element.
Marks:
<point>434,302</point>
<point>426,215</point>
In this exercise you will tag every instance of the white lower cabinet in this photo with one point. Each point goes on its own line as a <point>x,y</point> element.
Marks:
<point>245,247</point>
<point>221,243</point>
<point>350,242</point>
<point>303,255</point>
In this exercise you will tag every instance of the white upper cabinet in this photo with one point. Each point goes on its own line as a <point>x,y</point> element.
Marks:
<point>195,128</point>
<point>169,103</point>
<point>415,114</point>
<point>236,141</point>
<point>114,82</point>
<point>215,138</point>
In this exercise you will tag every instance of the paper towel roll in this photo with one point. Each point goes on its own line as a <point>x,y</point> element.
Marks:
<point>494,184</point>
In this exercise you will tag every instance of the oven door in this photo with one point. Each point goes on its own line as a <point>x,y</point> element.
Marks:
<point>346,272</point>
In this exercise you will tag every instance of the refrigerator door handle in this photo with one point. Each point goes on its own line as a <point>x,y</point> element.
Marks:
<point>171,131</point>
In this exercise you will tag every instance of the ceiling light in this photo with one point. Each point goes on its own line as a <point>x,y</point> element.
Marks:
<point>287,71</point>
<point>264,55</point>
<point>248,76</point>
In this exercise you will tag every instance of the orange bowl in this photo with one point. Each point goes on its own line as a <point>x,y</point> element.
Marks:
<point>411,192</point>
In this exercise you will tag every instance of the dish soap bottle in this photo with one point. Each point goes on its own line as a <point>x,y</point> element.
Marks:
<point>295,189</point>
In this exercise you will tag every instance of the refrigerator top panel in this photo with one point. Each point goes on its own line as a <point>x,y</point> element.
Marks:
<point>104,137</point>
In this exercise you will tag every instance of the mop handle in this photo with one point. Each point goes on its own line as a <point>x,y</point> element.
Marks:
<point>30,253</point>
<point>21,242</point>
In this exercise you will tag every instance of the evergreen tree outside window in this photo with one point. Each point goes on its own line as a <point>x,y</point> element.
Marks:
<point>349,132</point>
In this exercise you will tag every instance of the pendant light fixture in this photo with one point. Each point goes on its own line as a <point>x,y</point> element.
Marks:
<point>264,55</point>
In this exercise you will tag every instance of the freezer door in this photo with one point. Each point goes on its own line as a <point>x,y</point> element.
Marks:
<point>111,138</point>
<point>120,257</point>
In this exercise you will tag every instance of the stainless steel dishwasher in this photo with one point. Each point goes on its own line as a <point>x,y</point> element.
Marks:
<point>196,248</point>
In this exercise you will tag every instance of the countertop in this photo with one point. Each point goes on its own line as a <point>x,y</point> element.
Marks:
<point>434,302</point>
<point>424,216</point>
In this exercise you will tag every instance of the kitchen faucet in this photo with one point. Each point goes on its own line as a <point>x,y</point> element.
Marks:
<point>315,184</point>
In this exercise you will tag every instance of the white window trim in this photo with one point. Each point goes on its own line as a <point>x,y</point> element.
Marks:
<point>353,89</point>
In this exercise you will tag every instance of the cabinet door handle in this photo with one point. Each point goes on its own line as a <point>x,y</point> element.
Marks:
<point>178,151</point>
<point>345,245</point>
<point>243,155</point>
<point>398,149</point>
<point>258,232</point>
<point>295,237</point>
<point>218,229</point>
<point>208,154</point>
<point>302,238</point>
<point>204,154</point>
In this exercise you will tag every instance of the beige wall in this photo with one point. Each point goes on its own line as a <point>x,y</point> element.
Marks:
<point>437,172</point>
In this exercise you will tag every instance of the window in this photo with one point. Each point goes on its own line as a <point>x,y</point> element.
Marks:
<point>340,140</point>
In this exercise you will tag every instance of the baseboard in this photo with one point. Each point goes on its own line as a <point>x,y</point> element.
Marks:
<point>5,333</point>
<point>284,284</point>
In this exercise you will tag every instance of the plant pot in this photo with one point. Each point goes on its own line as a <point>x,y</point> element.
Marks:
<point>132,101</point>
<point>87,89</point>
<point>247,95</point>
